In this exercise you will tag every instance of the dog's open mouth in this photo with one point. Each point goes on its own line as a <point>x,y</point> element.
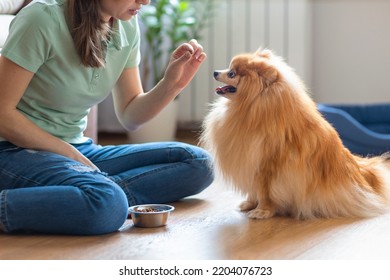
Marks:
<point>225,89</point>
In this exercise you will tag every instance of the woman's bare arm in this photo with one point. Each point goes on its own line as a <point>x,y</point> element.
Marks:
<point>134,107</point>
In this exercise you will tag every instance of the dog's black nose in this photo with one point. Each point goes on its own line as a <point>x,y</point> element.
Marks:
<point>216,73</point>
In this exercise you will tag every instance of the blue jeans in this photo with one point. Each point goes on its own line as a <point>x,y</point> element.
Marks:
<point>45,192</point>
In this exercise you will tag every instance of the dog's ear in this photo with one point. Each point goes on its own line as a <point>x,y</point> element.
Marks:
<point>268,73</point>
<point>266,53</point>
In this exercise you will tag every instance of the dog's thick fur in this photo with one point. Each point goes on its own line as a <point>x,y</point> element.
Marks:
<point>269,140</point>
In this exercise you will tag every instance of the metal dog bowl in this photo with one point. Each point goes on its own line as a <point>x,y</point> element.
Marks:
<point>150,215</point>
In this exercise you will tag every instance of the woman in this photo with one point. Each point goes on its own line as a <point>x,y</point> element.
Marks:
<point>61,58</point>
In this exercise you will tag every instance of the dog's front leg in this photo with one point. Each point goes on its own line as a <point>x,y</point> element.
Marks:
<point>262,212</point>
<point>249,204</point>
<point>265,207</point>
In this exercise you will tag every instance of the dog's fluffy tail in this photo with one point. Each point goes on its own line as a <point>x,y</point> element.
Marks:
<point>376,172</point>
<point>367,194</point>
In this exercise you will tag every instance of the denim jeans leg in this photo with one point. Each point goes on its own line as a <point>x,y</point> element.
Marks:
<point>45,192</point>
<point>154,172</point>
<point>48,193</point>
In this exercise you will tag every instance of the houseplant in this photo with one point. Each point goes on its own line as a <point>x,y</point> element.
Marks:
<point>165,24</point>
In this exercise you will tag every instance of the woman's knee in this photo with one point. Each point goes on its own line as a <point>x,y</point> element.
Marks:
<point>201,168</point>
<point>185,152</point>
<point>108,210</point>
<point>202,173</point>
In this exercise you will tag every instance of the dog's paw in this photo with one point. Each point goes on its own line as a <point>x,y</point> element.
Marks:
<point>247,205</point>
<point>260,213</point>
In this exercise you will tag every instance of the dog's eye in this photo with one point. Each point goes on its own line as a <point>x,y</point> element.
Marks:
<point>231,74</point>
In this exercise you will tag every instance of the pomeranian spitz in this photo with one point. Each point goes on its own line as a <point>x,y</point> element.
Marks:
<point>272,144</point>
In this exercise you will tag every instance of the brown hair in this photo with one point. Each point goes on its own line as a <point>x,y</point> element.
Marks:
<point>88,31</point>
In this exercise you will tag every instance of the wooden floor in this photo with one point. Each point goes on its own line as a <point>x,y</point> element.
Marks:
<point>208,226</point>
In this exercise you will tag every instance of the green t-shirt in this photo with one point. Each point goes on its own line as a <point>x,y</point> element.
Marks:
<point>62,90</point>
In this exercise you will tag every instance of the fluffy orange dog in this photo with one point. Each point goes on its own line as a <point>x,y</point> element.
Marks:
<point>271,143</point>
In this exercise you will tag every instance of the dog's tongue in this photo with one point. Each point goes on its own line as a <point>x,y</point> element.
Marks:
<point>225,89</point>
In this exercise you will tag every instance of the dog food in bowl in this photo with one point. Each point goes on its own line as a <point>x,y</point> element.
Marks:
<point>150,215</point>
<point>147,209</point>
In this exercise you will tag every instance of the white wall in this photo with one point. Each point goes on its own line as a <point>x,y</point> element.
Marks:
<point>351,51</point>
